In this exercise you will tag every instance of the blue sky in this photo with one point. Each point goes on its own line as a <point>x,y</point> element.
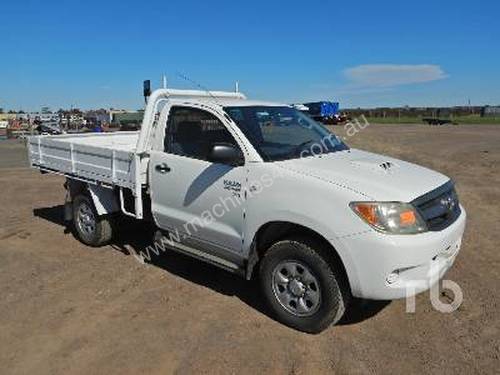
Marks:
<point>361,53</point>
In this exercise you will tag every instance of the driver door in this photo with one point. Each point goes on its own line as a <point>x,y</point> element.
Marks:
<point>201,201</point>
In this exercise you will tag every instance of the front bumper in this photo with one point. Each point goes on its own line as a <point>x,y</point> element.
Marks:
<point>389,267</point>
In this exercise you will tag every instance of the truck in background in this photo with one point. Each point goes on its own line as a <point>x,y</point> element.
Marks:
<point>325,112</point>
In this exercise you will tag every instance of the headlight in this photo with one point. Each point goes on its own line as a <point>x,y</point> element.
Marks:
<point>390,217</point>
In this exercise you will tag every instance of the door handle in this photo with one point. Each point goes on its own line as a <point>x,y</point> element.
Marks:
<point>162,168</point>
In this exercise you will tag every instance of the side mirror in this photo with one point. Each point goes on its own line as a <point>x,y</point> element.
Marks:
<point>225,153</point>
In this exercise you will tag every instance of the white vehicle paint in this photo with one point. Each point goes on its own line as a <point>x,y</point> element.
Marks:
<point>326,196</point>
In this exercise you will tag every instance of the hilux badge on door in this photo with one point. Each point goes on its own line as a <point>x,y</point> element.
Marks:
<point>232,185</point>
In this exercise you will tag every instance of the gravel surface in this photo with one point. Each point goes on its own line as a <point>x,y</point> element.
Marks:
<point>69,309</point>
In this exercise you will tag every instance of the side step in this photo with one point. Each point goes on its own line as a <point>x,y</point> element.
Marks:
<point>198,254</point>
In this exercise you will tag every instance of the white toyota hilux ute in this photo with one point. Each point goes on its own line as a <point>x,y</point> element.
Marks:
<point>261,190</point>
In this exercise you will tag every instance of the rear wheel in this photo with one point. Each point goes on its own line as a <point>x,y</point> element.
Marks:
<point>90,228</point>
<point>302,288</point>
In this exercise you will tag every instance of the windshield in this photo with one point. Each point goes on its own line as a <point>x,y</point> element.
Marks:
<point>281,133</point>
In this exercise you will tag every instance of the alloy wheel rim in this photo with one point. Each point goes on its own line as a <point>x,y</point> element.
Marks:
<point>86,219</point>
<point>296,288</point>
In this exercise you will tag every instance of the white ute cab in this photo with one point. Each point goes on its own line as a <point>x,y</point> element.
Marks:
<point>260,189</point>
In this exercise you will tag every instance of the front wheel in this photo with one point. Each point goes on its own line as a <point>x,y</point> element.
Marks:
<point>90,228</point>
<point>302,288</point>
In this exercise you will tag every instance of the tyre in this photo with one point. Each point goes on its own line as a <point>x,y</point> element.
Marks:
<point>303,289</point>
<point>90,228</point>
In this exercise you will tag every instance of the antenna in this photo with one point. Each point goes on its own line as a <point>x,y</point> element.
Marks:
<point>236,86</point>
<point>164,81</point>
<point>198,85</point>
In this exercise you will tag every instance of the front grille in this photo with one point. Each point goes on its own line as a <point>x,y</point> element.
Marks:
<point>440,207</point>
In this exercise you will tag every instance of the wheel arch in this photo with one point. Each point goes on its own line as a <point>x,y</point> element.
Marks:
<point>274,231</point>
<point>104,199</point>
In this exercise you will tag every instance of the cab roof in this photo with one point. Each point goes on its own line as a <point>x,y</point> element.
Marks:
<point>249,103</point>
<point>222,102</point>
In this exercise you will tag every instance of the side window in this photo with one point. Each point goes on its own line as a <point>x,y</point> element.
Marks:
<point>191,132</point>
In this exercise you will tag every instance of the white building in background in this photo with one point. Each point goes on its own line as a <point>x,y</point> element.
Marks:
<point>491,111</point>
<point>43,117</point>
<point>73,119</point>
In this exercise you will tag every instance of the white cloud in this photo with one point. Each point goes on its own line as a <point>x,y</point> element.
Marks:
<point>388,75</point>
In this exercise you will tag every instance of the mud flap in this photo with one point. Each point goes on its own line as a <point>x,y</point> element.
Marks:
<point>253,259</point>
<point>68,205</point>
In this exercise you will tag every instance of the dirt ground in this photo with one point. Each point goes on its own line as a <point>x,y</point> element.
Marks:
<point>68,309</point>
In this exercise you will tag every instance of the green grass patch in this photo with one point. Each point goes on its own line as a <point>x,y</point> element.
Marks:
<point>395,120</point>
<point>471,119</point>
